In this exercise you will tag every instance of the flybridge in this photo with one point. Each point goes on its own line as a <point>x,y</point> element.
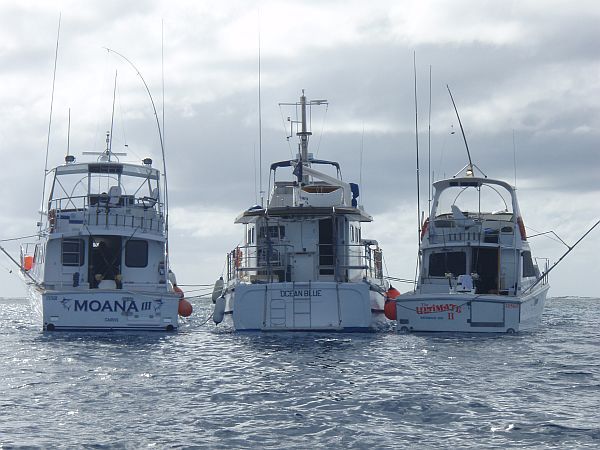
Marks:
<point>109,168</point>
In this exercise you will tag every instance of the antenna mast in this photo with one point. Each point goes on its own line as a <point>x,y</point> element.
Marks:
<point>69,133</point>
<point>515,157</point>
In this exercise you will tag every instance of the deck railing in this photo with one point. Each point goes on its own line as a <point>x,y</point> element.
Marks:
<point>68,214</point>
<point>268,263</point>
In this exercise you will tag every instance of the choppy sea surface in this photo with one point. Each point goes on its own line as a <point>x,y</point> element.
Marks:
<point>208,387</point>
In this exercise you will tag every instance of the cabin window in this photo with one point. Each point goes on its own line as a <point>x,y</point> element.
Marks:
<point>275,231</point>
<point>528,266</point>
<point>358,235</point>
<point>452,262</point>
<point>136,253</point>
<point>249,238</point>
<point>73,252</point>
<point>351,233</point>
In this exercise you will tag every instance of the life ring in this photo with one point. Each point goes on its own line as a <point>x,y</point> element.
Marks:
<point>238,257</point>
<point>52,219</point>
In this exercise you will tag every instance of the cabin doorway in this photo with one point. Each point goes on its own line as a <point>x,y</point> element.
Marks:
<point>105,260</point>
<point>485,264</point>
<point>326,262</point>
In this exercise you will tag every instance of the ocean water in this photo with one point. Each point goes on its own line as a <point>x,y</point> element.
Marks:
<point>206,387</point>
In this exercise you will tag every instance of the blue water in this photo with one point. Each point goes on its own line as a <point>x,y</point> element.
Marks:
<point>209,387</point>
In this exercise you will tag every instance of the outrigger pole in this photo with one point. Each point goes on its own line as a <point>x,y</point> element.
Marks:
<point>419,224</point>
<point>543,275</point>
<point>21,268</point>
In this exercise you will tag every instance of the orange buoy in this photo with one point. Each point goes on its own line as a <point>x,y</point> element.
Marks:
<point>185,308</point>
<point>392,293</point>
<point>28,262</point>
<point>390,309</point>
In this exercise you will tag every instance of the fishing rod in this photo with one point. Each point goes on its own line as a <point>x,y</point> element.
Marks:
<point>162,147</point>
<point>429,188</point>
<point>545,274</point>
<point>50,123</point>
<point>461,129</point>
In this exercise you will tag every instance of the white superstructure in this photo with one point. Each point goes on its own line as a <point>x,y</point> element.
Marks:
<point>303,263</point>
<point>100,262</point>
<point>476,270</point>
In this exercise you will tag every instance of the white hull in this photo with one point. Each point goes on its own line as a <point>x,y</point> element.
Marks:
<point>314,306</point>
<point>470,313</point>
<point>105,310</point>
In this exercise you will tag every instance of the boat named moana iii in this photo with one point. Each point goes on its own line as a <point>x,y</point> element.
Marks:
<point>304,264</point>
<point>100,261</point>
<point>477,273</point>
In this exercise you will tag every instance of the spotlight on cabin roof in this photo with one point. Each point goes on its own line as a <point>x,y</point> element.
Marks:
<point>147,161</point>
<point>69,159</point>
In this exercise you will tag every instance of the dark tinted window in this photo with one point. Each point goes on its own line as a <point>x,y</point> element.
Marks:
<point>528,267</point>
<point>453,262</point>
<point>275,231</point>
<point>73,252</point>
<point>136,253</point>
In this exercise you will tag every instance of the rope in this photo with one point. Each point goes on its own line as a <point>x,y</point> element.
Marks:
<point>400,280</point>
<point>19,238</point>
<point>207,319</point>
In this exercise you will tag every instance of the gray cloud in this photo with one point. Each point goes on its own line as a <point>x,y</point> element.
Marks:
<point>514,66</point>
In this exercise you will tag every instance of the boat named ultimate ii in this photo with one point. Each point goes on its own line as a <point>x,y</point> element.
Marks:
<point>476,271</point>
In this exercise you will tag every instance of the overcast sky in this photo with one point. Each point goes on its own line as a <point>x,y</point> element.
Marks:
<point>527,69</point>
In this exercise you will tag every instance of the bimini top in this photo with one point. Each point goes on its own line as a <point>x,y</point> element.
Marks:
<point>475,195</point>
<point>470,182</point>
<point>127,169</point>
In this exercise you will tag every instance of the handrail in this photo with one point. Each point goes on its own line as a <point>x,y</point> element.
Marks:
<point>269,260</point>
<point>146,219</point>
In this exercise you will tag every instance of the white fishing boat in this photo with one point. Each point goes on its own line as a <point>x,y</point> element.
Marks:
<point>303,263</point>
<point>476,270</point>
<point>100,261</point>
